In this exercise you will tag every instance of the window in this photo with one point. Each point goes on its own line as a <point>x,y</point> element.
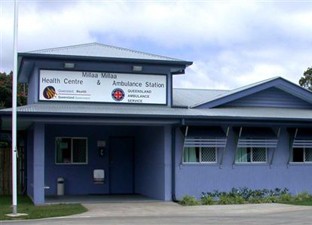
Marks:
<point>71,150</point>
<point>302,154</point>
<point>251,155</point>
<point>200,155</point>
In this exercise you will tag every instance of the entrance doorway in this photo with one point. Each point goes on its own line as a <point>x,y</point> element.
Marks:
<point>121,161</point>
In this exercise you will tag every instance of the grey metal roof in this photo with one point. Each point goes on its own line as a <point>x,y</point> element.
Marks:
<point>237,90</point>
<point>181,97</point>
<point>277,82</point>
<point>123,110</point>
<point>190,97</point>
<point>101,50</point>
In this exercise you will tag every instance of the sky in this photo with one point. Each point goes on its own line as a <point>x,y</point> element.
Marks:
<point>231,43</point>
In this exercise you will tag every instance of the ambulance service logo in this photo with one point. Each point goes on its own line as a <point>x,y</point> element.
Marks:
<point>118,94</point>
<point>49,92</point>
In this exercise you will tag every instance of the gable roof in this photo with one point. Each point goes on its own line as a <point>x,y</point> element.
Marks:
<point>98,50</point>
<point>277,82</point>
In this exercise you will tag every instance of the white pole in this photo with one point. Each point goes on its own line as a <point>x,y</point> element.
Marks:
<point>14,114</point>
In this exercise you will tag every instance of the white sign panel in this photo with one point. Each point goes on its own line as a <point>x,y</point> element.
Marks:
<point>78,86</point>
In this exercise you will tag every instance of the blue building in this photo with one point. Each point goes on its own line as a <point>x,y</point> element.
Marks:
<point>108,121</point>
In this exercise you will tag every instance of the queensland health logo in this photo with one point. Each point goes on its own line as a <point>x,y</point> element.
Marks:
<point>49,92</point>
<point>118,94</point>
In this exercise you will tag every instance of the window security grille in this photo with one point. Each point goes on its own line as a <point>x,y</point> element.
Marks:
<point>301,146</point>
<point>208,154</point>
<point>251,155</point>
<point>200,155</point>
<point>308,154</point>
<point>300,155</point>
<point>259,155</point>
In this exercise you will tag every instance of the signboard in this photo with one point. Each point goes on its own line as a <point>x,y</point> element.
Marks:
<point>79,86</point>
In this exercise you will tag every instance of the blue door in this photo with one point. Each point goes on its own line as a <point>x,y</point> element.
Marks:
<point>121,171</point>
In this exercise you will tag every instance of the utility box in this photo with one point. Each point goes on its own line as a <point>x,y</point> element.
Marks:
<point>98,176</point>
<point>60,186</point>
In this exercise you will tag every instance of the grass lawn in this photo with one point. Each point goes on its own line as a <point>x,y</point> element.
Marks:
<point>25,205</point>
<point>303,202</point>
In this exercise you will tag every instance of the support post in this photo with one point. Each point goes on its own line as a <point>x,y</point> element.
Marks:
<point>38,165</point>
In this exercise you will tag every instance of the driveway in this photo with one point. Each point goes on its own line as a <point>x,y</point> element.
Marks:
<point>168,213</point>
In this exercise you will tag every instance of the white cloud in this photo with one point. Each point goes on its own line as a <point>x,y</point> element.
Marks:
<point>232,43</point>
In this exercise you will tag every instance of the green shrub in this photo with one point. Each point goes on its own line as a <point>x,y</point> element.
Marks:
<point>285,198</point>
<point>230,199</point>
<point>246,195</point>
<point>189,201</point>
<point>270,199</point>
<point>207,200</point>
<point>304,196</point>
<point>255,200</point>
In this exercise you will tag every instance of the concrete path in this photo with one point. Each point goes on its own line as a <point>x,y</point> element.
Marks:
<point>168,213</point>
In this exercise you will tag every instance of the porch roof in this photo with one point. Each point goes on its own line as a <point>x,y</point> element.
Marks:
<point>154,111</point>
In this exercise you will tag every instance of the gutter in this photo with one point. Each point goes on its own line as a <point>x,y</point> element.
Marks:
<point>107,59</point>
<point>175,119</point>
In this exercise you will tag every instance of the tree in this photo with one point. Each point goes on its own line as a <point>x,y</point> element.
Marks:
<point>306,80</point>
<point>6,91</point>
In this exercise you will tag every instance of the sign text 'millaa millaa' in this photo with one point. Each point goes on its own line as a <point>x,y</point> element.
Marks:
<point>99,75</point>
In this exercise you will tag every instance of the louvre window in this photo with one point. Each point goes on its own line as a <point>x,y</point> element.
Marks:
<point>200,155</point>
<point>302,145</point>
<point>251,155</point>
<point>254,143</point>
<point>302,155</point>
<point>201,144</point>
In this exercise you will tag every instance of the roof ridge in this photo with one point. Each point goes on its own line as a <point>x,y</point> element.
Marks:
<point>63,47</point>
<point>135,51</point>
<point>103,45</point>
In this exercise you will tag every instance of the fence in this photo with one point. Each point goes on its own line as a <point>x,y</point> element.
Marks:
<point>6,171</point>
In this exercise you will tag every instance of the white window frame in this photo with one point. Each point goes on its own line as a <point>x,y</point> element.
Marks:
<point>200,156</point>
<point>71,160</point>
<point>304,156</point>
<point>251,156</point>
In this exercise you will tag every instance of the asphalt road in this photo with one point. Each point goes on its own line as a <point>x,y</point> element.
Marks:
<point>161,213</point>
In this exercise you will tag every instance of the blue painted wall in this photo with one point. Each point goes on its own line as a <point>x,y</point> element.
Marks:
<point>79,178</point>
<point>35,163</point>
<point>195,179</point>
<point>38,163</point>
<point>33,87</point>
<point>149,158</point>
